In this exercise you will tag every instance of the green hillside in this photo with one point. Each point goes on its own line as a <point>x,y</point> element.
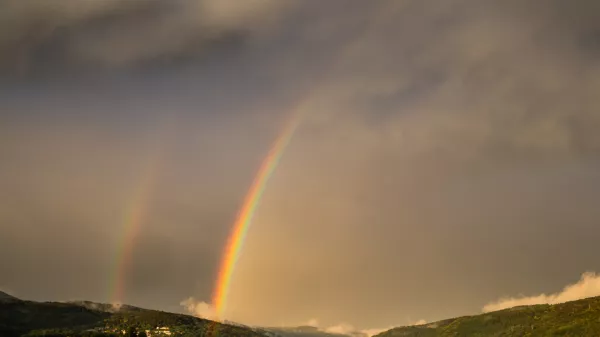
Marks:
<point>577,318</point>
<point>27,318</point>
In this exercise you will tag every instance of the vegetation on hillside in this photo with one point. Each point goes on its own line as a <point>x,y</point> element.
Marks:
<point>33,319</point>
<point>577,318</point>
<point>50,319</point>
<point>20,317</point>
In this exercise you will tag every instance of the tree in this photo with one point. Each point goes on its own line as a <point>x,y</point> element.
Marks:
<point>143,334</point>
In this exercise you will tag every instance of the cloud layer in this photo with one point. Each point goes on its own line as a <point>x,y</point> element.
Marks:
<point>587,286</point>
<point>441,142</point>
<point>92,34</point>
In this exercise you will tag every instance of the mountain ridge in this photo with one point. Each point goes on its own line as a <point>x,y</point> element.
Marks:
<point>7,297</point>
<point>573,318</point>
<point>85,318</point>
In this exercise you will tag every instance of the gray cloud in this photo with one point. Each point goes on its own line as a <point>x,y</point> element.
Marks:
<point>488,75</point>
<point>440,132</point>
<point>71,35</point>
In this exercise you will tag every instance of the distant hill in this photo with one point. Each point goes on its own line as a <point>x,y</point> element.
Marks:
<point>106,307</point>
<point>6,297</point>
<point>28,318</point>
<point>302,331</point>
<point>577,318</point>
<point>54,319</point>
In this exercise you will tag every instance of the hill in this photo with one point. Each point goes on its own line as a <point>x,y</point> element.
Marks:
<point>577,318</point>
<point>4,297</point>
<point>28,318</point>
<point>302,331</point>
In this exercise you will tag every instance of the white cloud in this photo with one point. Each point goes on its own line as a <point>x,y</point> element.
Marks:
<point>313,322</point>
<point>587,286</point>
<point>346,329</point>
<point>342,328</point>
<point>199,308</point>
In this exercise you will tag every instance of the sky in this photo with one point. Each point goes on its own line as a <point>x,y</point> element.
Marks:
<point>446,158</point>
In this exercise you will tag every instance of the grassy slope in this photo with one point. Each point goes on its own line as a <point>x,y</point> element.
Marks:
<point>19,317</point>
<point>577,318</point>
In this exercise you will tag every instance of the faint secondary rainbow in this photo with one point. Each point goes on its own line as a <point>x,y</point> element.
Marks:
<point>244,218</point>
<point>135,213</point>
<point>131,225</point>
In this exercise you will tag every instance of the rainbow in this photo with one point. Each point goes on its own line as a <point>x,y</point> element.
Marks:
<point>132,223</point>
<point>243,221</point>
<point>135,212</point>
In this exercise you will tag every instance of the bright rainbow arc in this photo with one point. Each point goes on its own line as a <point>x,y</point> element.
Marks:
<point>243,221</point>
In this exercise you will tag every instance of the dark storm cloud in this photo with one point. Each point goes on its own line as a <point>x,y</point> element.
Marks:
<point>58,36</point>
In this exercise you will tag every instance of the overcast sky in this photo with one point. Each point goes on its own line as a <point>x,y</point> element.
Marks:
<point>447,154</point>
